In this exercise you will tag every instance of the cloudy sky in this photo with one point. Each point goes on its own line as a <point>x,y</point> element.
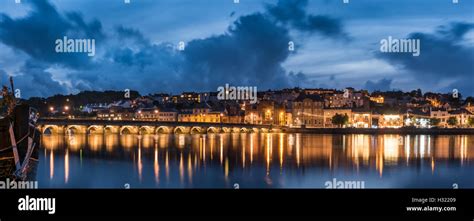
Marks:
<point>337,45</point>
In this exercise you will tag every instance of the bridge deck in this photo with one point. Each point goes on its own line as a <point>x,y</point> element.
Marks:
<point>88,122</point>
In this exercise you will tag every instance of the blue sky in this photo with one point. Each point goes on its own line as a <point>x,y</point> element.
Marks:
<point>337,45</point>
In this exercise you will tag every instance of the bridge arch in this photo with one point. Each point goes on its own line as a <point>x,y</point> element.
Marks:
<point>128,130</point>
<point>50,129</point>
<point>146,130</point>
<point>180,130</point>
<point>212,130</point>
<point>255,130</point>
<point>162,130</point>
<point>76,129</point>
<point>109,129</point>
<point>95,129</point>
<point>244,130</point>
<point>226,129</point>
<point>195,130</point>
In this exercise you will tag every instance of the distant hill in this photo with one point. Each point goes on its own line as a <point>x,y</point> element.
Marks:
<point>78,100</point>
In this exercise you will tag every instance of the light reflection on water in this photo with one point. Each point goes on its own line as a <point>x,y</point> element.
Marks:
<point>265,160</point>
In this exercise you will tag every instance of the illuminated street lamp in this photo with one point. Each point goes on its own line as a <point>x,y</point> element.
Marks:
<point>66,108</point>
<point>281,118</point>
<point>51,109</point>
<point>268,115</point>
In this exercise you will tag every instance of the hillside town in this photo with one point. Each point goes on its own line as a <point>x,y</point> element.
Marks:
<point>296,107</point>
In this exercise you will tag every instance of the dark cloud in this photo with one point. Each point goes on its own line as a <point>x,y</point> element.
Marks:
<point>289,11</point>
<point>36,33</point>
<point>455,30</point>
<point>380,85</point>
<point>445,56</point>
<point>144,67</point>
<point>293,13</point>
<point>301,80</point>
<point>33,80</point>
<point>250,52</point>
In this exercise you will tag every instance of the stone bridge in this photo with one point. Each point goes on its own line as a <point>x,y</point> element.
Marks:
<point>93,126</point>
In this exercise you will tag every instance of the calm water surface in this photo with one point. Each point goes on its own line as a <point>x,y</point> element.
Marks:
<point>266,160</point>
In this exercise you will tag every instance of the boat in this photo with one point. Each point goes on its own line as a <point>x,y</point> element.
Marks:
<point>19,139</point>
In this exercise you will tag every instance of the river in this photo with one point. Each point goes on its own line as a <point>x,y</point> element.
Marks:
<point>255,160</point>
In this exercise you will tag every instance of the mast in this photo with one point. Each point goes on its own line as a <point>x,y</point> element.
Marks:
<point>13,89</point>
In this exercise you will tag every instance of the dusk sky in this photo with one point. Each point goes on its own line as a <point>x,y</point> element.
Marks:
<point>337,45</point>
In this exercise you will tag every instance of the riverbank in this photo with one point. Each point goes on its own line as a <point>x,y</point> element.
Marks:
<point>427,131</point>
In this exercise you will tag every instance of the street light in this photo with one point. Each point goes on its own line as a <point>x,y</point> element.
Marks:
<point>66,108</point>
<point>51,109</point>
<point>281,118</point>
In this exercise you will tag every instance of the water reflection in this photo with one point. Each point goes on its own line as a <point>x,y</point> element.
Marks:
<point>255,160</point>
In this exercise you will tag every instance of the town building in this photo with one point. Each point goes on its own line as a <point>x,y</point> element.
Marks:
<point>166,114</point>
<point>161,98</point>
<point>201,112</point>
<point>361,119</point>
<point>307,111</point>
<point>329,113</point>
<point>147,114</point>
<point>252,115</point>
<point>116,113</point>
<point>441,114</point>
<point>390,121</point>
<point>417,117</point>
<point>462,116</point>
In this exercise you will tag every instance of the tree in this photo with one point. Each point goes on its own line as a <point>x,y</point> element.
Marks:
<point>452,121</point>
<point>412,121</point>
<point>434,122</point>
<point>340,119</point>
<point>470,121</point>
